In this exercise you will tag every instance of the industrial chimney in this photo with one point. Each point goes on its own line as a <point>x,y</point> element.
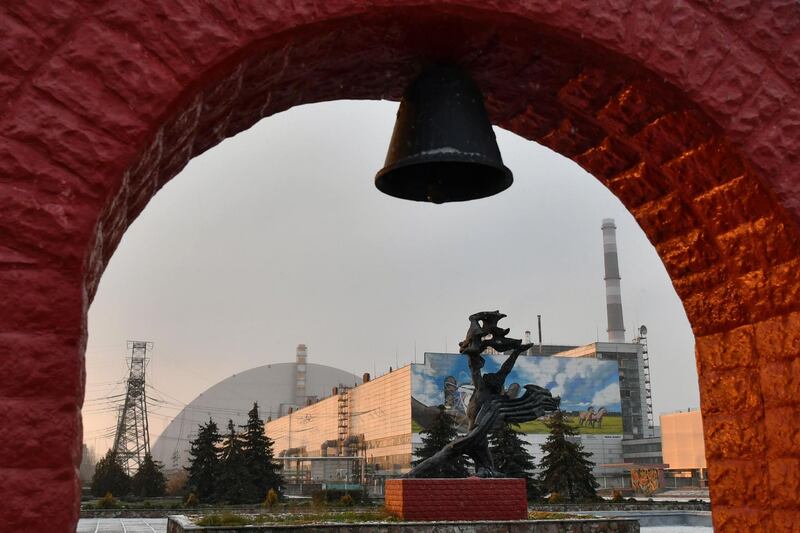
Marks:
<point>616,327</point>
<point>300,375</point>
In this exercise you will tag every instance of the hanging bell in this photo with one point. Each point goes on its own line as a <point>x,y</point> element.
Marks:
<point>443,148</point>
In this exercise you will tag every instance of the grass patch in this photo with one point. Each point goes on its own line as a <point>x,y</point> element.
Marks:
<point>612,425</point>
<point>546,515</point>
<point>159,503</point>
<point>224,519</point>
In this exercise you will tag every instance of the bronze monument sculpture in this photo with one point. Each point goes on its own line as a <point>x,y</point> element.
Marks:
<point>489,406</point>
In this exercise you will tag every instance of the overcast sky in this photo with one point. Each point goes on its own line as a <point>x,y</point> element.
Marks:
<point>278,236</point>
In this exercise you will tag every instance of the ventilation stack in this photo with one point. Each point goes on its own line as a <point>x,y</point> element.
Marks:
<point>300,375</point>
<point>616,327</point>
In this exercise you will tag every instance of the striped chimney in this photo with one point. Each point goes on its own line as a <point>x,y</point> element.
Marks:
<point>616,327</point>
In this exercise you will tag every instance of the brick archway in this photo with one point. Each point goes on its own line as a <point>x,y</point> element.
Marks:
<point>688,112</point>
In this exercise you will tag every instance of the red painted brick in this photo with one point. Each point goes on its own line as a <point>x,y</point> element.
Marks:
<point>734,435</point>
<point>36,491</point>
<point>783,440</point>
<point>457,499</point>
<point>742,518</point>
<point>784,480</point>
<point>749,476</point>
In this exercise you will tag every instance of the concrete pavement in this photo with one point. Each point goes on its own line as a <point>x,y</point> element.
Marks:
<point>122,525</point>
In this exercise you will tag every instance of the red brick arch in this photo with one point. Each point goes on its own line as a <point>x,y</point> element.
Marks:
<point>687,111</point>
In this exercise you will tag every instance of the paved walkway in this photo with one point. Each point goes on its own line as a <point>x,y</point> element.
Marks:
<point>122,525</point>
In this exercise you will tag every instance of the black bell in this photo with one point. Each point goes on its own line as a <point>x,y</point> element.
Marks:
<point>443,148</point>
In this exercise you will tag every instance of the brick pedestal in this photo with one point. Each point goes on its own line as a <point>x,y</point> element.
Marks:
<point>457,499</point>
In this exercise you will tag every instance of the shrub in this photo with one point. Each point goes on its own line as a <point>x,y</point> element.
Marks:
<point>346,500</point>
<point>225,519</point>
<point>107,502</point>
<point>191,500</point>
<point>319,498</point>
<point>616,497</point>
<point>272,499</point>
<point>176,483</point>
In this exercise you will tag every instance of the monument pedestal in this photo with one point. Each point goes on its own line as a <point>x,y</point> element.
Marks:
<point>457,499</point>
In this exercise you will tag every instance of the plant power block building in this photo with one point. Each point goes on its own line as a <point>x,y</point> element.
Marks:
<point>376,426</point>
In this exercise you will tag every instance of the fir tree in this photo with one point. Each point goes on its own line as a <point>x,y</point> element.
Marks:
<point>109,476</point>
<point>442,431</point>
<point>149,480</point>
<point>258,456</point>
<point>566,468</point>
<point>511,456</point>
<point>234,483</point>
<point>204,462</point>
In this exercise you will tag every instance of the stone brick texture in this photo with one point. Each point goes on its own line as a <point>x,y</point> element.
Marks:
<point>687,110</point>
<point>456,499</point>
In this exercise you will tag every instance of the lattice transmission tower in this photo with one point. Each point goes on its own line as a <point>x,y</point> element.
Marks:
<point>132,440</point>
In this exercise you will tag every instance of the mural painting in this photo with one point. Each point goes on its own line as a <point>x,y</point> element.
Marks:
<point>646,480</point>
<point>589,389</point>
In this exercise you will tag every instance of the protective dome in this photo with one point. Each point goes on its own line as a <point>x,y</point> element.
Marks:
<point>272,386</point>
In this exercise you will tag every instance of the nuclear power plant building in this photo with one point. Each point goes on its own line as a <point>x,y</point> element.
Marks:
<point>277,388</point>
<point>604,388</point>
<point>328,426</point>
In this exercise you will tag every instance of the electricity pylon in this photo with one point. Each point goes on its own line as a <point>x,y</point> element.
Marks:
<point>132,440</point>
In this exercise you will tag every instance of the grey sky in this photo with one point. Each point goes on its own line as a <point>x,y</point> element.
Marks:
<point>278,237</point>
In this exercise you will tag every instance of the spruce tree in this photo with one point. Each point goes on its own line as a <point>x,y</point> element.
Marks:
<point>442,431</point>
<point>204,462</point>
<point>234,483</point>
<point>149,480</point>
<point>109,476</point>
<point>511,456</point>
<point>258,456</point>
<point>566,468</point>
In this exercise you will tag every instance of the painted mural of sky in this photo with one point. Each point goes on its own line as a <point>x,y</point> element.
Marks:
<point>580,382</point>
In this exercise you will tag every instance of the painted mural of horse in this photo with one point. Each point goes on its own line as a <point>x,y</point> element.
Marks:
<point>592,418</point>
<point>585,417</point>
<point>597,418</point>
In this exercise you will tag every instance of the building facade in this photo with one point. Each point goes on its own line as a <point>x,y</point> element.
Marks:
<point>379,422</point>
<point>371,422</point>
<point>633,383</point>
<point>682,437</point>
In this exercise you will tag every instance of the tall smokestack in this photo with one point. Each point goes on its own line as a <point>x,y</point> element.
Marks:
<point>300,375</point>
<point>616,327</point>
